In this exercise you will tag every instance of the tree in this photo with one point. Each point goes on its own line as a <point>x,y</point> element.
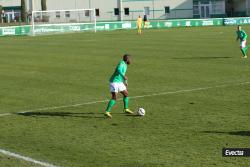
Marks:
<point>44,5</point>
<point>23,11</point>
<point>1,13</point>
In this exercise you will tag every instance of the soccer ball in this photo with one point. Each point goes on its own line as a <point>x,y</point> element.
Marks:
<point>141,112</point>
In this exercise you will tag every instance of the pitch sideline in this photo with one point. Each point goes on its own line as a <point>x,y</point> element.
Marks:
<point>28,159</point>
<point>6,114</point>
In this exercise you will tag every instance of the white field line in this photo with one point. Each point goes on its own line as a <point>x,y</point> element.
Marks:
<point>28,159</point>
<point>189,90</point>
<point>6,114</point>
<point>133,97</point>
<point>65,106</point>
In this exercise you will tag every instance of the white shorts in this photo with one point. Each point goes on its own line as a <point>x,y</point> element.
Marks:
<point>117,87</point>
<point>243,44</point>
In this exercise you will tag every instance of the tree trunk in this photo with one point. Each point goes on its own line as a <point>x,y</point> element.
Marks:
<point>23,11</point>
<point>44,5</point>
<point>44,8</point>
<point>1,13</point>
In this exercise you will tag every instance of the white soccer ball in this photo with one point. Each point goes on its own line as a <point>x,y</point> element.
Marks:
<point>141,112</point>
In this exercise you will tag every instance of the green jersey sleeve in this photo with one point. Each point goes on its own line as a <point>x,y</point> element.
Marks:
<point>244,35</point>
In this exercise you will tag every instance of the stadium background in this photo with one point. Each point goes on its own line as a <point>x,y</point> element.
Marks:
<point>115,10</point>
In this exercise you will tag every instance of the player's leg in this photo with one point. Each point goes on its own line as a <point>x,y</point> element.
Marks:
<point>146,24</point>
<point>126,102</point>
<point>243,48</point>
<point>112,101</point>
<point>140,30</point>
<point>125,99</point>
<point>242,51</point>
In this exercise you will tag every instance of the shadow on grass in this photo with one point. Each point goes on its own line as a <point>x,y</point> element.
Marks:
<point>237,133</point>
<point>62,114</point>
<point>69,114</point>
<point>205,58</point>
<point>133,115</point>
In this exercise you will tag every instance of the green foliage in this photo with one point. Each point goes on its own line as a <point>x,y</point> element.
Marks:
<point>185,129</point>
<point>1,12</point>
<point>44,5</point>
<point>23,11</point>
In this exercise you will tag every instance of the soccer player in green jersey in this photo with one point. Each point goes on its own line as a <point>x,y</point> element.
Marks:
<point>242,36</point>
<point>118,83</point>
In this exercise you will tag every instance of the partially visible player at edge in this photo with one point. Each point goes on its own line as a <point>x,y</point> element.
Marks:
<point>242,36</point>
<point>139,25</point>
<point>145,20</point>
<point>118,83</point>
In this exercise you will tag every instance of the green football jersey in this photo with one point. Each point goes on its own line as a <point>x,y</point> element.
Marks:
<point>242,35</point>
<point>119,73</point>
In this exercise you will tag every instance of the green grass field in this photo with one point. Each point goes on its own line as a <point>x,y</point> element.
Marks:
<point>206,105</point>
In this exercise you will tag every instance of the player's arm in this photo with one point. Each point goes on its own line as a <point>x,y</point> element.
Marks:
<point>120,71</point>
<point>244,35</point>
<point>126,82</point>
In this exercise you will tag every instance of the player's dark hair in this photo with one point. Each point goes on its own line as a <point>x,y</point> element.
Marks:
<point>125,57</point>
